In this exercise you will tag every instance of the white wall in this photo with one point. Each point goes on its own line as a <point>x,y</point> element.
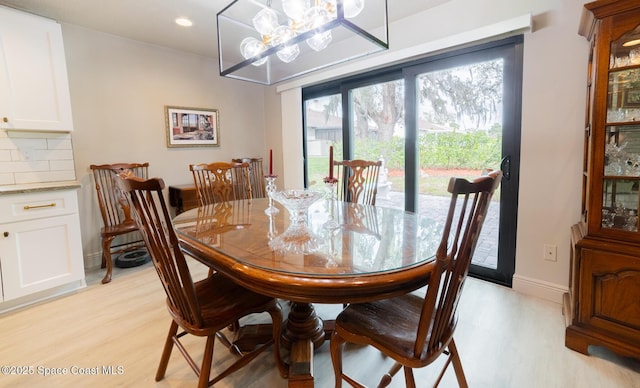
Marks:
<point>555,62</point>
<point>119,88</point>
<point>553,121</point>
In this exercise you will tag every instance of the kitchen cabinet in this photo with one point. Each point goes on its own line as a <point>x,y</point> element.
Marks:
<point>603,304</point>
<point>34,89</point>
<point>40,246</point>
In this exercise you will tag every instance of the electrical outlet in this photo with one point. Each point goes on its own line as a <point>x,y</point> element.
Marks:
<point>26,153</point>
<point>550,252</point>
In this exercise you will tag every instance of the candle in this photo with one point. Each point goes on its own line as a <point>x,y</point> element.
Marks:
<point>331,162</point>
<point>270,162</point>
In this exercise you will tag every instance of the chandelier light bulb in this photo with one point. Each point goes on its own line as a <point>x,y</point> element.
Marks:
<point>265,21</point>
<point>283,34</point>
<point>295,9</point>
<point>352,8</point>
<point>330,6</point>
<point>250,47</point>
<point>320,41</point>
<point>316,17</point>
<point>289,53</point>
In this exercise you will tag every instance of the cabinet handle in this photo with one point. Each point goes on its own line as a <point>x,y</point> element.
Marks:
<point>5,234</point>
<point>27,207</point>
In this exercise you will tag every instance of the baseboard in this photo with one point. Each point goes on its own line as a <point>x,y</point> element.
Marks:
<point>93,260</point>
<point>42,296</point>
<point>538,288</point>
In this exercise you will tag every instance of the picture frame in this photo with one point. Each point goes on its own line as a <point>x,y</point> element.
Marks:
<point>192,127</point>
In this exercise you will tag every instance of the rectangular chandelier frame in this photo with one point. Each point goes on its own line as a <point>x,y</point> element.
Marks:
<point>354,37</point>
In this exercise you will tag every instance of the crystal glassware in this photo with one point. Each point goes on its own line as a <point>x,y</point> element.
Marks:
<point>298,238</point>
<point>331,184</point>
<point>271,188</point>
<point>297,201</point>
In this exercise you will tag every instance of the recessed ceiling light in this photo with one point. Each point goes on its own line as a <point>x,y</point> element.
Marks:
<point>184,22</point>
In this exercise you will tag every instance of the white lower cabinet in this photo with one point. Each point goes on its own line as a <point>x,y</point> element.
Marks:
<point>40,246</point>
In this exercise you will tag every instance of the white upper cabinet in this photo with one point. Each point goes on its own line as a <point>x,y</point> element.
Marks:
<point>34,89</point>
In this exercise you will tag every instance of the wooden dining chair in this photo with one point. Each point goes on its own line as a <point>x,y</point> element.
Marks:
<point>202,308</point>
<point>256,176</point>
<point>115,211</point>
<point>413,330</point>
<point>357,180</point>
<point>221,181</point>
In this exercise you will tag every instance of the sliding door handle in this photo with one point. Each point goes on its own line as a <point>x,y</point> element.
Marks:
<point>505,166</point>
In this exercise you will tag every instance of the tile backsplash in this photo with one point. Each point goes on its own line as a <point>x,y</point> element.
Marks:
<point>35,157</point>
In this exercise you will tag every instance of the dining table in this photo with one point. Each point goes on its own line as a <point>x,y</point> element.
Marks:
<point>338,253</point>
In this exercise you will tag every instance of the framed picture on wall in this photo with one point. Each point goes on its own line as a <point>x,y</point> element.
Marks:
<point>192,127</point>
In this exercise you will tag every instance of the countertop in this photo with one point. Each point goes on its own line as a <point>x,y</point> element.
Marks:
<point>35,187</point>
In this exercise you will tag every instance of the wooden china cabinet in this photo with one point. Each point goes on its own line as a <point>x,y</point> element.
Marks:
<point>603,304</point>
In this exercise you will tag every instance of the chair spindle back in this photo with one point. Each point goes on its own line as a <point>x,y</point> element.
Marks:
<point>467,212</point>
<point>154,222</point>
<point>113,208</point>
<point>256,176</point>
<point>221,181</point>
<point>358,180</point>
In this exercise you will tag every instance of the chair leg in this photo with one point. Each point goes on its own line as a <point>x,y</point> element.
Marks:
<point>457,365</point>
<point>386,379</point>
<point>408,377</point>
<point>336,344</point>
<point>106,258</point>
<point>166,352</point>
<point>207,359</point>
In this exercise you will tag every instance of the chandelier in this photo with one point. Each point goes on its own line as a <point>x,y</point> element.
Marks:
<point>269,41</point>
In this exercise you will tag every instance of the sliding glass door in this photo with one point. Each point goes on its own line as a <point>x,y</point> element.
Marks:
<point>455,114</point>
<point>464,118</point>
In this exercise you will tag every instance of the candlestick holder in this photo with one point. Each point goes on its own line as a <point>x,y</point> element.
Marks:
<point>331,183</point>
<point>273,231</point>
<point>331,260</point>
<point>271,188</point>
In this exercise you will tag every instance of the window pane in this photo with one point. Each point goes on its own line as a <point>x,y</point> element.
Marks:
<point>460,134</point>
<point>323,128</point>
<point>377,122</point>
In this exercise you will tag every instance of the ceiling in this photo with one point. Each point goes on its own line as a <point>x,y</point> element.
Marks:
<point>152,21</point>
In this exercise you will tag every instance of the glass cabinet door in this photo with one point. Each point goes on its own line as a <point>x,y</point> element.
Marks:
<point>620,194</point>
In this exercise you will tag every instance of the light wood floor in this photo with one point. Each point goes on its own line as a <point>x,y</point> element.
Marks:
<point>505,340</point>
